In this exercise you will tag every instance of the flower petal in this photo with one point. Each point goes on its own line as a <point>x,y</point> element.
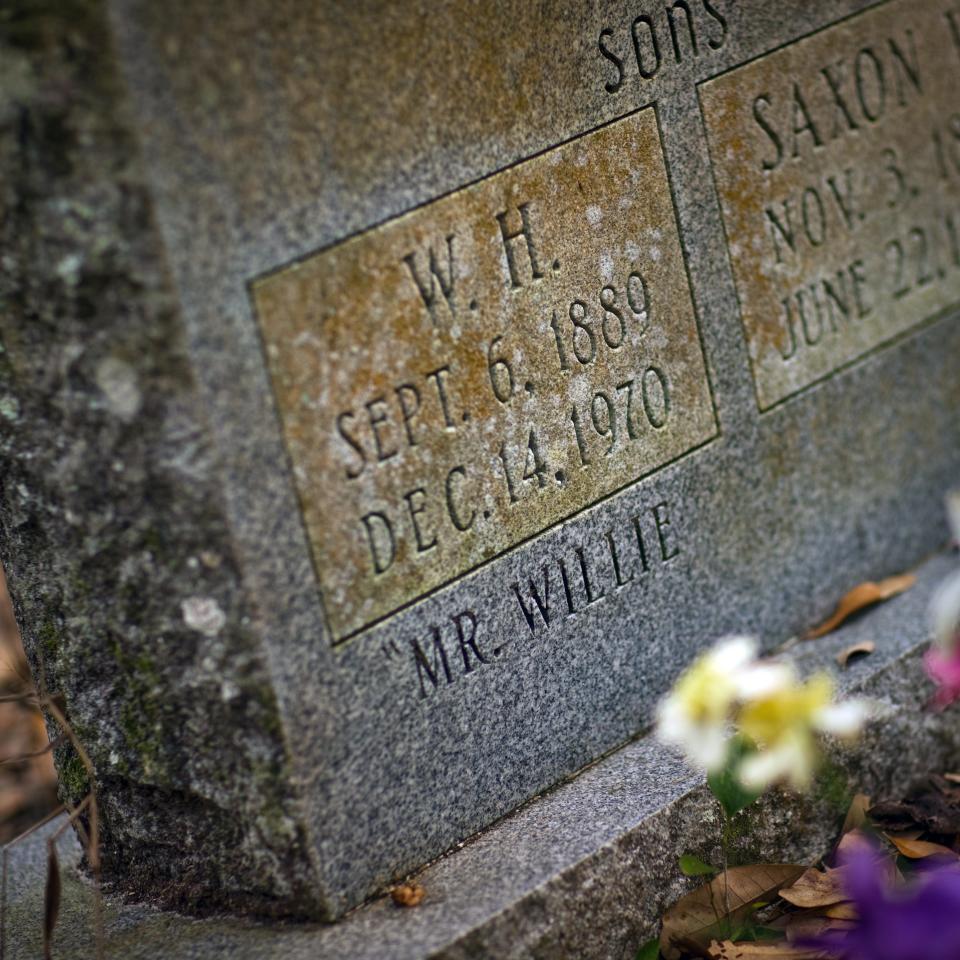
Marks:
<point>791,759</point>
<point>673,722</point>
<point>944,670</point>
<point>732,653</point>
<point>945,612</point>
<point>953,512</point>
<point>764,680</point>
<point>709,749</point>
<point>844,719</point>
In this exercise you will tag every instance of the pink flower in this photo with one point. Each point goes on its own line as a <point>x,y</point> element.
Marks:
<point>943,668</point>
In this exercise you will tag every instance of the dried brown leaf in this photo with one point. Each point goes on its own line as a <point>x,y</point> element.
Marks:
<point>952,777</point>
<point>933,806</point>
<point>51,901</point>
<point>949,788</point>
<point>807,924</point>
<point>856,813</point>
<point>816,888</point>
<point>861,596</point>
<point>695,917</point>
<point>909,834</point>
<point>920,849</point>
<point>766,950</point>
<point>855,650</point>
<point>407,894</point>
<point>841,911</point>
<point>854,841</point>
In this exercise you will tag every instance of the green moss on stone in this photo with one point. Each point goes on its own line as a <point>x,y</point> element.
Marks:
<point>139,712</point>
<point>268,717</point>
<point>74,781</point>
<point>138,723</point>
<point>48,638</point>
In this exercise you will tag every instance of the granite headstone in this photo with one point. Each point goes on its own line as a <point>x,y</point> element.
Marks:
<point>396,396</point>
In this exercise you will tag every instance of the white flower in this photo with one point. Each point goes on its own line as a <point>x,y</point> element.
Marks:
<point>845,719</point>
<point>945,613</point>
<point>704,744</point>
<point>728,690</point>
<point>764,680</point>
<point>953,513</point>
<point>696,715</point>
<point>784,726</point>
<point>792,758</point>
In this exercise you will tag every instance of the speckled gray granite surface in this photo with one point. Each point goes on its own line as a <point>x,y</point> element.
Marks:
<point>583,871</point>
<point>156,158</point>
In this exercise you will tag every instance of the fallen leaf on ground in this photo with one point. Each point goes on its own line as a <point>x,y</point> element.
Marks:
<point>861,596</point>
<point>856,813</point>
<point>816,888</point>
<point>919,849</point>
<point>909,835</point>
<point>807,924</point>
<point>855,650</point>
<point>933,806</point>
<point>777,950</point>
<point>841,911</point>
<point>696,917</point>
<point>407,894</point>
<point>28,782</point>
<point>855,840</point>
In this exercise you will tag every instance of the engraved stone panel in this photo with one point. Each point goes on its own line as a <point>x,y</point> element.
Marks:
<point>383,321</point>
<point>462,378</point>
<point>837,162</point>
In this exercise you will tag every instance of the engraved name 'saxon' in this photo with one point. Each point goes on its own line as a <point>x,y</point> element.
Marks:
<point>837,162</point>
<point>464,377</point>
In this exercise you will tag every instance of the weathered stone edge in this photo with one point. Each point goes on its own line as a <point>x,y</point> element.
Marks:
<point>110,516</point>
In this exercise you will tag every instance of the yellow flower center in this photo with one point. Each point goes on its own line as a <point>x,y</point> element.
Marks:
<point>705,693</point>
<point>786,712</point>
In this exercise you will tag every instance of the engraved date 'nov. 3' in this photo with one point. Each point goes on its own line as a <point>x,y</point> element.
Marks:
<point>837,160</point>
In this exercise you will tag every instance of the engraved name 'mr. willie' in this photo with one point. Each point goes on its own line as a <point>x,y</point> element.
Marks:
<point>837,161</point>
<point>550,595</point>
<point>462,378</point>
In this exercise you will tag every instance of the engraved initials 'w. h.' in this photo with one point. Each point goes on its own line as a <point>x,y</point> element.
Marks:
<point>435,276</point>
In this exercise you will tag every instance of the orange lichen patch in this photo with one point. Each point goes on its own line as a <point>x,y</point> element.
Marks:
<point>298,109</point>
<point>408,894</point>
<point>462,378</point>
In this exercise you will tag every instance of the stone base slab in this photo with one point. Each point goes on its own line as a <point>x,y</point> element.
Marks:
<point>582,871</point>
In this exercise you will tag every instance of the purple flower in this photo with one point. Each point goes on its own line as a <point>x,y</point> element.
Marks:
<point>920,921</point>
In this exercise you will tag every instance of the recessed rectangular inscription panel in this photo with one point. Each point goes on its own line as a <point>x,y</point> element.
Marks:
<point>837,161</point>
<point>462,378</point>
